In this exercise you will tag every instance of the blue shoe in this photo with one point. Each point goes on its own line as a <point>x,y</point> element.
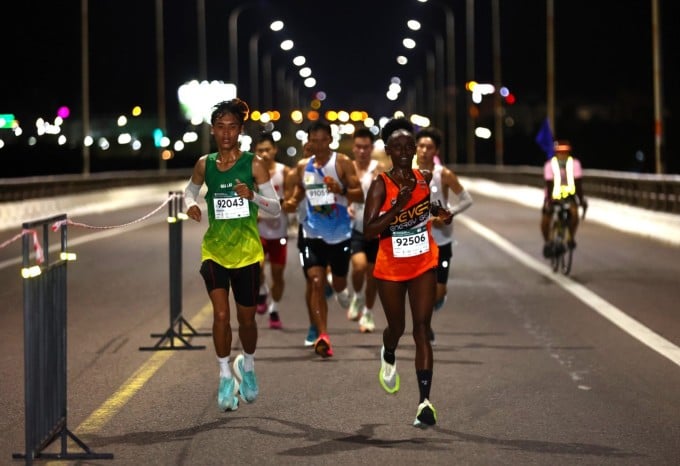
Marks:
<point>248,387</point>
<point>312,335</point>
<point>226,394</point>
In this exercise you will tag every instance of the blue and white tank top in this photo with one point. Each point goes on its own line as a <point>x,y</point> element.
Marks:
<point>326,213</point>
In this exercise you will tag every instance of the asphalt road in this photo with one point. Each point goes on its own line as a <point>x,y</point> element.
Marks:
<point>530,368</point>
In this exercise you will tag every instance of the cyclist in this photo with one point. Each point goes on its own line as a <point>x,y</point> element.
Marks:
<point>562,175</point>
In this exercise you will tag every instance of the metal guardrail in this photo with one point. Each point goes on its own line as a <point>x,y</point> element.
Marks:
<point>654,192</point>
<point>21,189</point>
<point>45,352</point>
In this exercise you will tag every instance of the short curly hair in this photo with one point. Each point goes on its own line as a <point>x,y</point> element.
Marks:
<point>393,125</point>
<point>235,106</point>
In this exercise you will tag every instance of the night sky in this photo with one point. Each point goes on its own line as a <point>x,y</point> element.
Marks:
<point>603,63</point>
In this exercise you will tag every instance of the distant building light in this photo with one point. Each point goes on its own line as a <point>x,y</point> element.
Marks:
<point>197,99</point>
<point>190,136</point>
<point>6,120</point>
<point>63,112</point>
<point>483,133</point>
<point>124,138</point>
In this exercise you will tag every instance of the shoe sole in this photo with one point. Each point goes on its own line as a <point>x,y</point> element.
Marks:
<point>323,349</point>
<point>366,329</point>
<point>353,317</point>
<point>275,325</point>
<point>426,418</point>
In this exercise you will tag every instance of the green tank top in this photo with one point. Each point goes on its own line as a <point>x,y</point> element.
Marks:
<point>232,239</point>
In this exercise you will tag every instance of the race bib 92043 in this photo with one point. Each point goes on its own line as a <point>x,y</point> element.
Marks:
<point>230,205</point>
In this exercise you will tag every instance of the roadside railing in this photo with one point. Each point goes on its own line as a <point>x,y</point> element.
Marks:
<point>654,192</point>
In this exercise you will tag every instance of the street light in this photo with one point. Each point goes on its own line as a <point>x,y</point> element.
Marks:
<point>451,80</point>
<point>436,77</point>
<point>254,63</point>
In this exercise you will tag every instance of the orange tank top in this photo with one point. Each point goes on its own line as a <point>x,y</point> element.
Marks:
<point>406,248</point>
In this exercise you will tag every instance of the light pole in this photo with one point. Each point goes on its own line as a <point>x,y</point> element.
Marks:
<point>658,121</point>
<point>436,82</point>
<point>470,72</point>
<point>451,91</point>
<point>85,71</point>
<point>253,46</point>
<point>160,76</point>
<point>233,42</point>
<point>202,67</point>
<point>497,103</point>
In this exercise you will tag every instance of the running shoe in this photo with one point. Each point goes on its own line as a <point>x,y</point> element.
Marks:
<point>388,376</point>
<point>355,308</point>
<point>366,323</point>
<point>430,335</point>
<point>328,291</point>
<point>226,394</point>
<point>322,346</point>
<point>547,250</point>
<point>274,320</point>
<point>440,304</point>
<point>261,306</point>
<point>426,416</point>
<point>343,298</point>
<point>248,386</point>
<point>312,335</point>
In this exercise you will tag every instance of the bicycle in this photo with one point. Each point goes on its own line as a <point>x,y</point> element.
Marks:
<point>562,255</point>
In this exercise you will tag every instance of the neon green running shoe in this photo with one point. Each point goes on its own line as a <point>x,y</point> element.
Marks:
<point>389,379</point>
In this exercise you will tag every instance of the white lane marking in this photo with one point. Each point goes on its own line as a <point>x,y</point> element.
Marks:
<point>661,226</point>
<point>599,305</point>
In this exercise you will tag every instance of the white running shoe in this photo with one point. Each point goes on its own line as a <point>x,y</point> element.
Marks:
<point>366,323</point>
<point>355,308</point>
<point>343,298</point>
<point>388,376</point>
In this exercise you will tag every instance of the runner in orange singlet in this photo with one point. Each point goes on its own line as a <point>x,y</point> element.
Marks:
<point>397,210</point>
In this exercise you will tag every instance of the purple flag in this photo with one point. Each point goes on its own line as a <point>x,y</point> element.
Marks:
<point>544,139</point>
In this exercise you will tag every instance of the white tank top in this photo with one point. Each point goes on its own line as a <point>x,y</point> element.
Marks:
<point>358,207</point>
<point>274,226</point>
<point>441,234</point>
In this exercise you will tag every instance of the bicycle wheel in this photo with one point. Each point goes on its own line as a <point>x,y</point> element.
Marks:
<point>568,255</point>
<point>566,261</point>
<point>556,256</point>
